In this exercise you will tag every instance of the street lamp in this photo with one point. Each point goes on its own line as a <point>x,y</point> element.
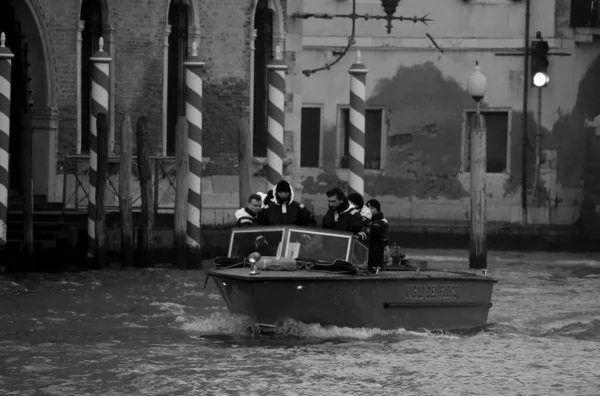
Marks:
<point>476,85</point>
<point>389,7</point>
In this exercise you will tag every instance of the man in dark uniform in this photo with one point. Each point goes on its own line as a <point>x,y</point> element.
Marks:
<point>342,216</point>
<point>379,235</point>
<point>283,210</point>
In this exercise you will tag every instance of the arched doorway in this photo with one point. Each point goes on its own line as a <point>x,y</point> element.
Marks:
<point>93,23</point>
<point>266,35</point>
<point>263,23</point>
<point>15,40</point>
<point>30,71</point>
<point>181,31</point>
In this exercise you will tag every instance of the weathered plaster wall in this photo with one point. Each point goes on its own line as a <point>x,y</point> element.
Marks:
<point>498,19</point>
<point>424,94</point>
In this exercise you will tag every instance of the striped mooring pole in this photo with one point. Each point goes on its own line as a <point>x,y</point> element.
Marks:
<point>99,104</point>
<point>276,117</point>
<point>5,80</point>
<point>193,111</point>
<point>356,141</point>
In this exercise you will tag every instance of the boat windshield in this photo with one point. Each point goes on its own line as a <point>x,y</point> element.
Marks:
<point>298,242</point>
<point>315,245</point>
<point>247,241</point>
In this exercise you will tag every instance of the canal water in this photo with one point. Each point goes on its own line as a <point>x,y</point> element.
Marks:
<point>160,332</point>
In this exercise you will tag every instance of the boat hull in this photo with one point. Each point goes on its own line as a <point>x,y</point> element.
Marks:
<point>411,300</point>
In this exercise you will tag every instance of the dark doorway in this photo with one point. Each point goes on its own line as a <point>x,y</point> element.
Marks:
<point>310,137</point>
<point>16,42</point>
<point>263,53</point>
<point>178,45</point>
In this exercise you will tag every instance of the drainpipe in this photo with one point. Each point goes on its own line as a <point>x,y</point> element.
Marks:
<point>524,142</point>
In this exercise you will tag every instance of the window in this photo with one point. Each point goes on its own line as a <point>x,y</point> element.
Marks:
<point>373,137</point>
<point>178,44</point>
<point>91,14</point>
<point>263,23</point>
<point>584,14</point>
<point>498,125</point>
<point>310,137</point>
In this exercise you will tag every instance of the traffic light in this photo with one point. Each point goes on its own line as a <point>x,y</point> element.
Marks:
<point>539,63</point>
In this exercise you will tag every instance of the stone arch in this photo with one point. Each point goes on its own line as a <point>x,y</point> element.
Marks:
<point>278,37</point>
<point>32,44</point>
<point>193,36</point>
<point>278,23</point>
<point>193,21</point>
<point>106,17</point>
<point>49,65</point>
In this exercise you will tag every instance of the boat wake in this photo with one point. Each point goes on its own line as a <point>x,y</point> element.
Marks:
<point>579,328</point>
<point>222,326</point>
<point>235,327</point>
<point>589,331</point>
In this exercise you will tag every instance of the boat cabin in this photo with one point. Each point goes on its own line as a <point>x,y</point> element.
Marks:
<point>302,243</point>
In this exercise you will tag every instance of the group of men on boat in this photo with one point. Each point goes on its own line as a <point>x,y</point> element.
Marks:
<point>346,213</point>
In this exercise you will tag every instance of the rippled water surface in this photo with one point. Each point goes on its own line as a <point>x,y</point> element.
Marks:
<point>160,332</point>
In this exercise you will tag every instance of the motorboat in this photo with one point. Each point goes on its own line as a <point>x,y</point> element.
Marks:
<point>313,275</point>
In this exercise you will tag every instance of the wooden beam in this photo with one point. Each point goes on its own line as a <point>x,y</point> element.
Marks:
<point>125,204</point>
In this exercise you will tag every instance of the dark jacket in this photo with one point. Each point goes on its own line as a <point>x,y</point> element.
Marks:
<point>246,218</point>
<point>346,218</point>
<point>365,213</point>
<point>288,212</point>
<point>378,240</point>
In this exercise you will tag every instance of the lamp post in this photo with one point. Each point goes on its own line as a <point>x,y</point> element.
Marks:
<point>476,85</point>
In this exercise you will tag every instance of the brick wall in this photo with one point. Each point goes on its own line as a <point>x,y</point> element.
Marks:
<point>139,26</point>
<point>62,19</point>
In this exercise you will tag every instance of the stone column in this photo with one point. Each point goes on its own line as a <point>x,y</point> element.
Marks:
<point>80,27</point>
<point>165,92</point>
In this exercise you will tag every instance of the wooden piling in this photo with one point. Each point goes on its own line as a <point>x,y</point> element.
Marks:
<point>181,194</point>
<point>101,254</point>
<point>125,204</point>
<point>27,186</point>
<point>478,169</point>
<point>27,168</point>
<point>244,161</point>
<point>145,176</point>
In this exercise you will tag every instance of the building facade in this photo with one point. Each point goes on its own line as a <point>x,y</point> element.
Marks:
<point>416,121</point>
<point>417,104</point>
